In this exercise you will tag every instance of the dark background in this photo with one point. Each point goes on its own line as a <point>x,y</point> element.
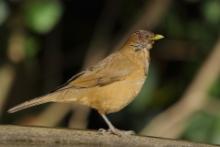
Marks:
<point>44,42</point>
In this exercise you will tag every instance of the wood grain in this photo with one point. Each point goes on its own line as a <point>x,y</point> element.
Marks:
<point>20,136</point>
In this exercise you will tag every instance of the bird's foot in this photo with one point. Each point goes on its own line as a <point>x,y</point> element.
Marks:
<point>121,132</point>
<point>117,132</point>
<point>102,131</point>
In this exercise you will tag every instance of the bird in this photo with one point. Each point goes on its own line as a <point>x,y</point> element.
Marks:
<point>111,84</point>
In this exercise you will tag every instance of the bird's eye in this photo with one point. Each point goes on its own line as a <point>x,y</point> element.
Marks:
<point>148,36</point>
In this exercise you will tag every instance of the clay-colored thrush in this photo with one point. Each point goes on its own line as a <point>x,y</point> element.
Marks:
<point>111,84</point>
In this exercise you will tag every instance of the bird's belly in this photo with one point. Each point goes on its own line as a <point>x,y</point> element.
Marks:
<point>114,97</point>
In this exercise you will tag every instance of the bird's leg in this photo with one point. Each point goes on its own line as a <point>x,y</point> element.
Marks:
<point>110,125</point>
<point>113,129</point>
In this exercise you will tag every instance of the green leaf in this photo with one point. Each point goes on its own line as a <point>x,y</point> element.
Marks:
<point>31,47</point>
<point>42,15</point>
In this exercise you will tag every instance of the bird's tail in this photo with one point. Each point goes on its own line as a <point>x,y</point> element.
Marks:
<point>33,102</point>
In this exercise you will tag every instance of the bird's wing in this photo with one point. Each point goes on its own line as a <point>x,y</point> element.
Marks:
<point>113,68</point>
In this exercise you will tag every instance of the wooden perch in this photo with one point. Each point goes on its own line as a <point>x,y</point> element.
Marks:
<point>11,136</point>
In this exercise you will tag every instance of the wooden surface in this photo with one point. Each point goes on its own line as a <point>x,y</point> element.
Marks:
<point>20,136</point>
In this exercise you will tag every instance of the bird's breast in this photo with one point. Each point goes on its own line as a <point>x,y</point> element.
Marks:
<point>115,96</point>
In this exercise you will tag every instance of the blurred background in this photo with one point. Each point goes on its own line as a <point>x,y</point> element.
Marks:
<point>44,42</point>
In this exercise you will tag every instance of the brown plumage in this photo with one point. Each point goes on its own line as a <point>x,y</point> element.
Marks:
<point>111,84</point>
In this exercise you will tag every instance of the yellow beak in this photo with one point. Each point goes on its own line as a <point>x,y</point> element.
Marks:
<point>157,37</point>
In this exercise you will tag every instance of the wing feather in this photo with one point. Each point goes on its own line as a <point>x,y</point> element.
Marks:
<point>105,72</point>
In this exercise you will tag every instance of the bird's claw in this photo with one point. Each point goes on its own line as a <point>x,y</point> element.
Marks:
<point>121,132</point>
<point>117,132</point>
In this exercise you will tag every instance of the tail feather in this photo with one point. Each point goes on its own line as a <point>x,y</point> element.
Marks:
<point>57,96</point>
<point>33,102</point>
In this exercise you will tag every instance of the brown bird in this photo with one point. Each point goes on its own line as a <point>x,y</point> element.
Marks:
<point>111,84</point>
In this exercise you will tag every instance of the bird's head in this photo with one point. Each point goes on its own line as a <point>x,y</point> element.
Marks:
<point>142,39</point>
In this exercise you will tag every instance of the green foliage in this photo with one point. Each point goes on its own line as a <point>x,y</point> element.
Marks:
<point>215,89</point>
<point>211,11</point>
<point>204,127</point>
<point>200,128</point>
<point>216,132</point>
<point>3,11</point>
<point>31,47</point>
<point>42,15</point>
